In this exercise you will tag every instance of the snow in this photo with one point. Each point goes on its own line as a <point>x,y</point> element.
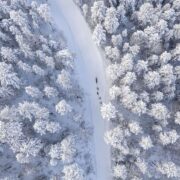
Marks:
<point>89,65</point>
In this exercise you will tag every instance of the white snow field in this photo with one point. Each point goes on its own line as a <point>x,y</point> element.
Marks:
<point>89,65</point>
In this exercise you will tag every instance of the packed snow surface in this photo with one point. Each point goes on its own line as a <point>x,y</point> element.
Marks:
<point>89,66</point>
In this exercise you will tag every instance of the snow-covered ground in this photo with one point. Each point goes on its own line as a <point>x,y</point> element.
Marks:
<point>89,65</point>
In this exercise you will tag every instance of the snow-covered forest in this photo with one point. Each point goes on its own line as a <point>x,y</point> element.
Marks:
<point>141,41</point>
<point>43,134</point>
<point>89,89</point>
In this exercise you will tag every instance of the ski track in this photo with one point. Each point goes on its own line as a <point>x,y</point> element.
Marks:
<point>89,65</point>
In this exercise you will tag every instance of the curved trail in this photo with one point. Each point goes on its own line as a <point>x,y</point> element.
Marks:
<point>89,65</point>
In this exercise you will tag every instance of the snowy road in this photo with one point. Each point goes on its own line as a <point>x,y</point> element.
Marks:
<point>89,65</point>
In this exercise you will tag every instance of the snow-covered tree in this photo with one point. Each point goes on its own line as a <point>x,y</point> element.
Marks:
<point>169,137</point>
<point>40,127</point>
<point>129,98</point>
<point>24,46</point>
<point>129,79</point>
<point>127,62</point>
<point>176,5</point>
<point>152,79</point>
<point>141,67</point>
<point>108,111</point>
<point>64,151</point>
<point>11,132</point>
<point>44,12</point>
<point>146,143</point>
<point>117,40</point>
<point>166,73</point>
<point>114,92</point>
<point>49,62</point>
<point>20,19</point>
<point>6,92</point>
<point>31,110</point>
<point>114,137</point>
<point>68,150</point>
<point>159,111</point>
<point>111,22</point>
<point>73,171</point>
<point>24,66</point>
<point>165,57</point>
<point>144,96</point>
<point>54,153</point>
<point>34,92</point>
<point>38,70</point>
<point>168,169</point>
<point>177,118</point>
<point>157,96</point>
<point>63,108</point>
<point>135,128</point>
<point>85,9</point>
<point>142,165</point>
<point>98,11</point>
<point>146,14</point>
<point>114,71</point>
<point>8,77</point>
<point>139,38</point>
<point>8,54</point>
<point>99,35</point>
<point>176,29</point>
<point>155,42</point>
<point>65,57</point>
<point>53,127</point>
<point>29,149</point>
<point>50,91</point>
<point>43,126</point>
<point>64,79</point>
<point>112,53</point>
<point>177,72</point>
<point>120,171</point>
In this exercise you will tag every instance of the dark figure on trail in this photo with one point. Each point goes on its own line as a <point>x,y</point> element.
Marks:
<point>96,80</point>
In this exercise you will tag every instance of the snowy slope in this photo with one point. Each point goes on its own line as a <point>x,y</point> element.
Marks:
<point>89,65</point>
